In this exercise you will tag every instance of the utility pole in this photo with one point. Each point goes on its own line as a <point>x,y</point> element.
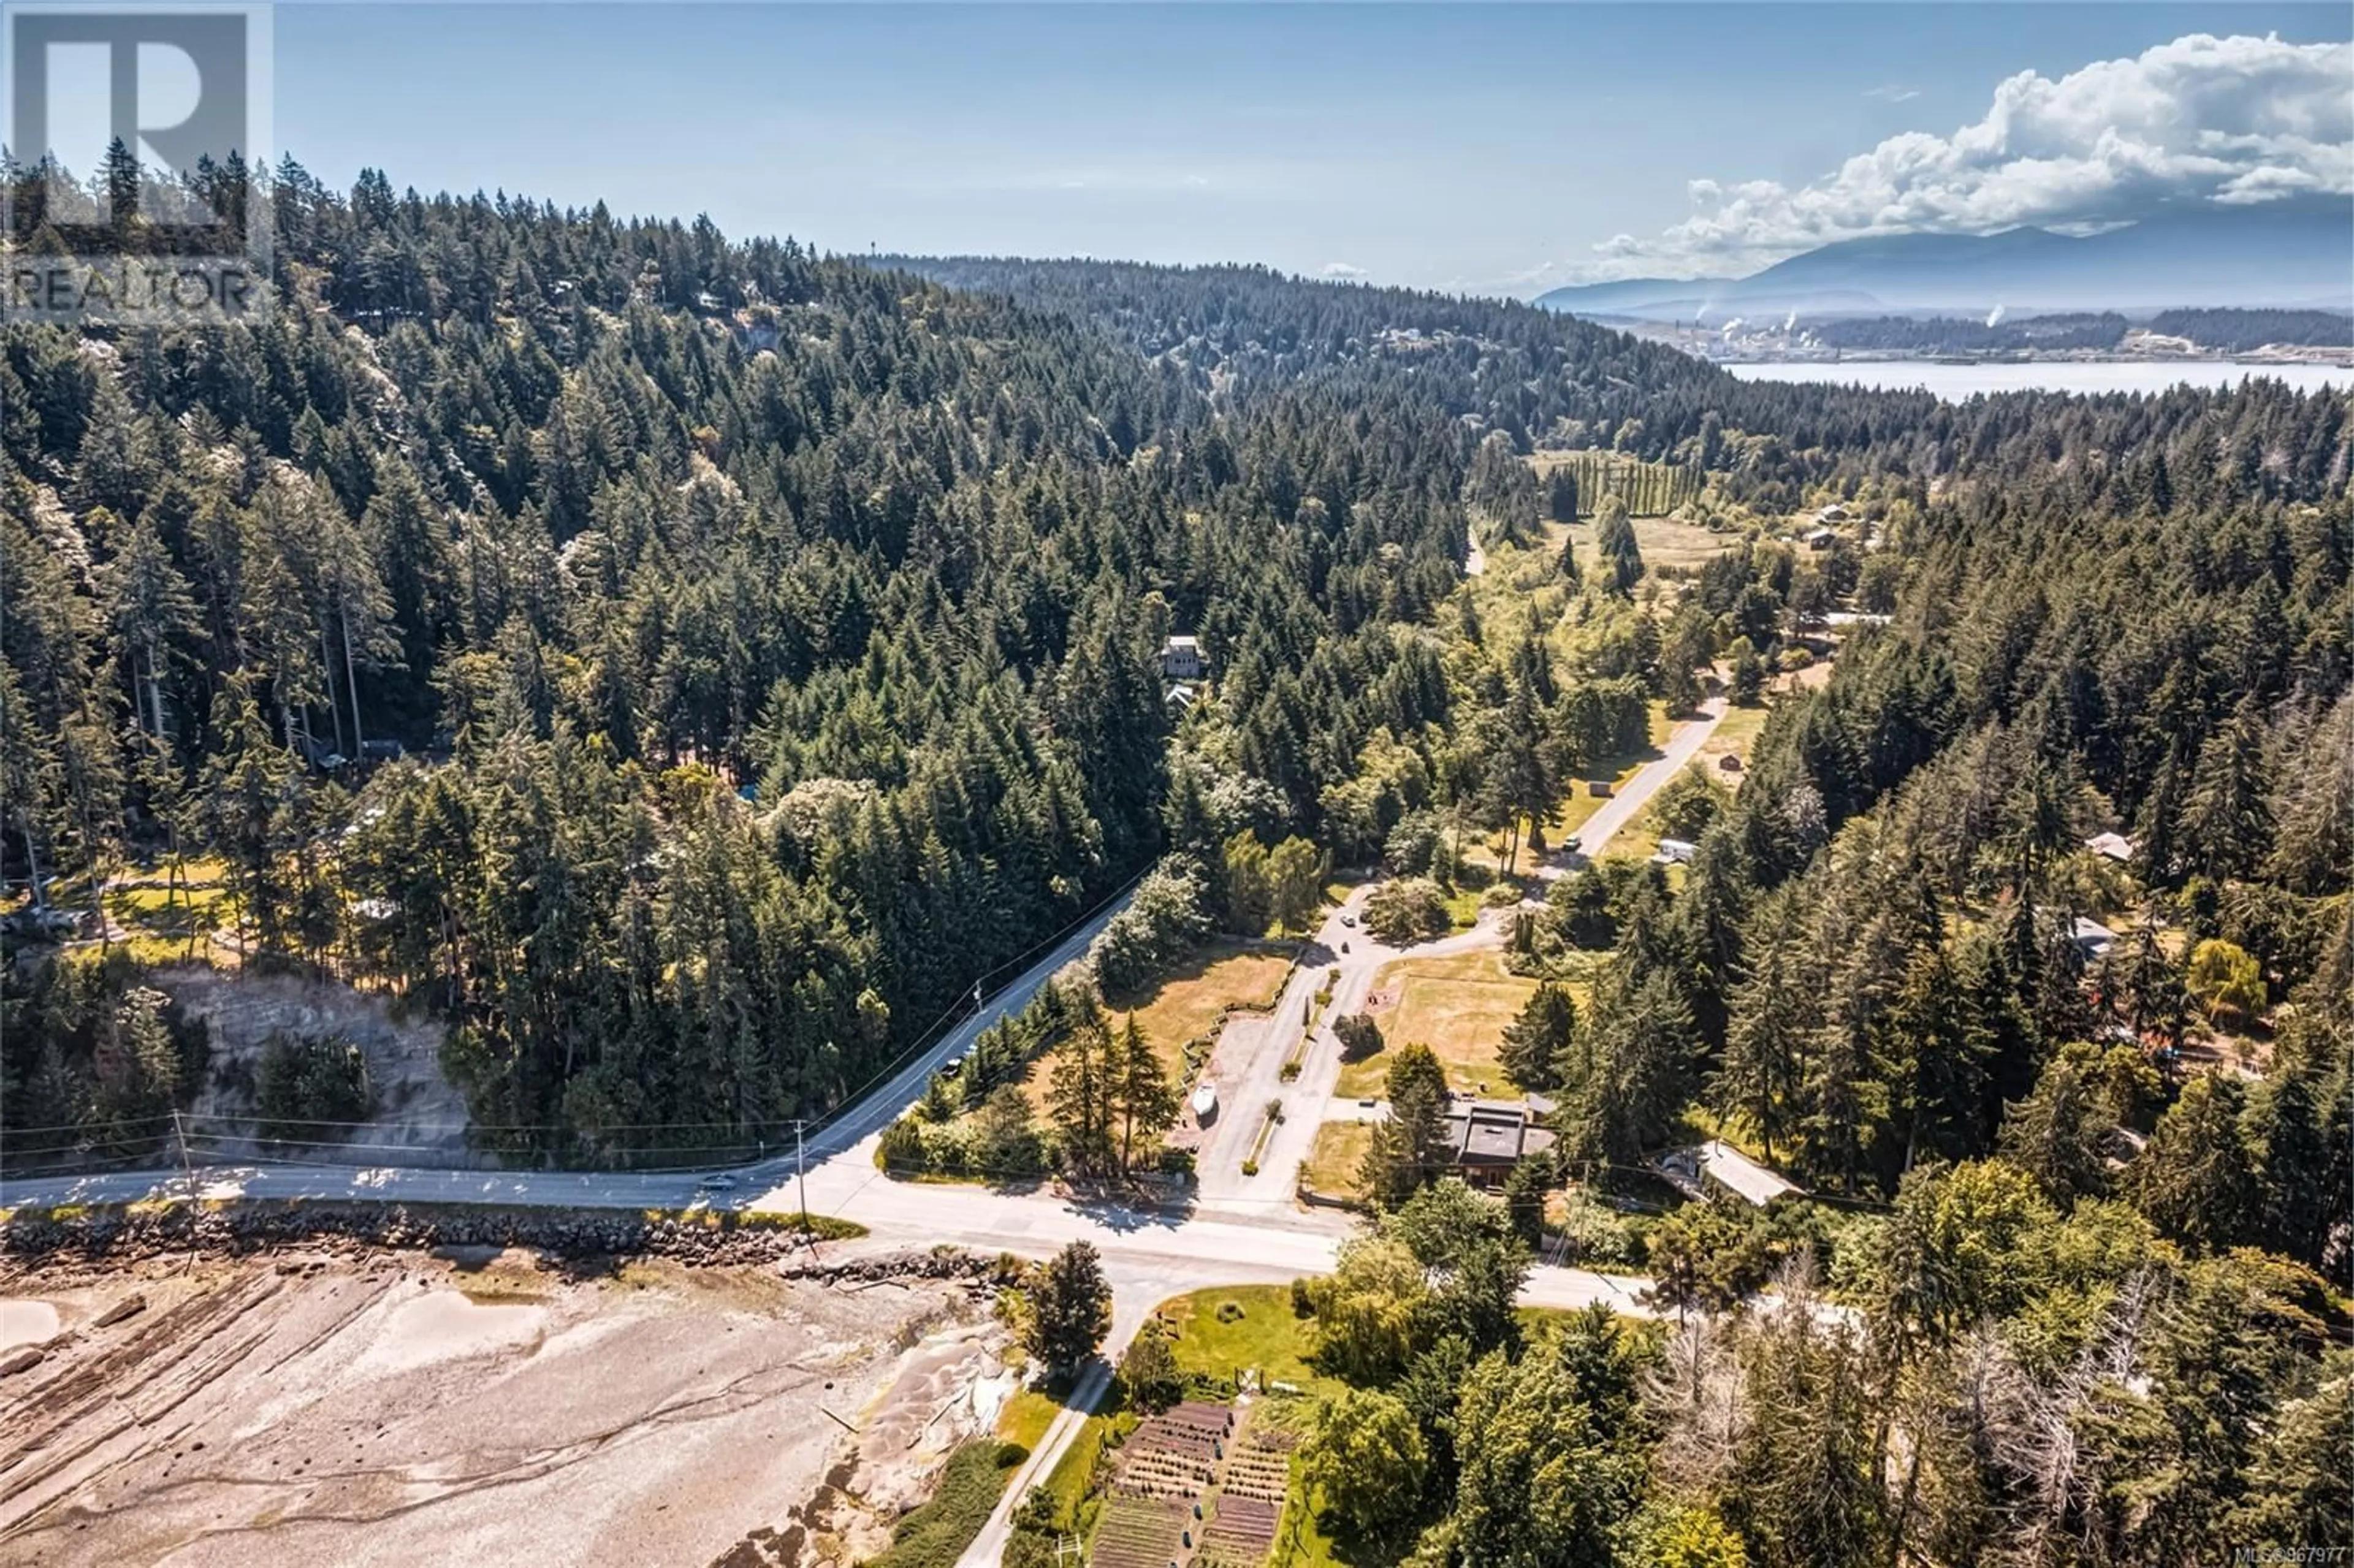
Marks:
<point>187,1183</point>
<point>801,1171</point>
<point>180,1138</point>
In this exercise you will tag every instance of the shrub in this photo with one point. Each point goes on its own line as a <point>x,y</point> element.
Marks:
<point>1407,911</point>
<point>1230,1312</point>
<point>1250,1166</point>
<point>901,1149</point>
<point>1688,804</point>
<point>936,1534</point>
<point>2226,978</point>
<point>1359,1035</point>
<point>1303,1300</point>
<point>1595,1232</point>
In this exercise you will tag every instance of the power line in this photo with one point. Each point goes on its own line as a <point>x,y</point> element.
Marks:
<point>741,1133</point>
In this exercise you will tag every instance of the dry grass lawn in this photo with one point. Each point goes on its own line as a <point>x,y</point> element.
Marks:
<point>1339,1150</point>
<point>1457,1005</point>
<point>1188,1002</point>
<point>1663,541</point>
<point>1733,736</point>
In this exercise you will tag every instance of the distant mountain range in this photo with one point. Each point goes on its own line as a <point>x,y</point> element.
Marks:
<point>2279,253</point>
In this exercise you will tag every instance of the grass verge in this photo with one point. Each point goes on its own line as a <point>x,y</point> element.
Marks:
<point>1334,1159</point>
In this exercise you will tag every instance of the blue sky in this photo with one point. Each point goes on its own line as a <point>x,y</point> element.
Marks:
<point>1476,147</point>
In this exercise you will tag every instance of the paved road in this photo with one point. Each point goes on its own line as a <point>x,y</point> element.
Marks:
<point>1239,1231</point>
<point>1626,804</point>
<point>852,1128</point>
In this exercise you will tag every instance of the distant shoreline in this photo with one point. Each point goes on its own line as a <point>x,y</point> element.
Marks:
<point>2332,358</point>
<point>1955,381</point>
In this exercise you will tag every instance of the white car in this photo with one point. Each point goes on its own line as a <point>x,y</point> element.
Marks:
<point>720,1183</point>
<point>1350,921</point>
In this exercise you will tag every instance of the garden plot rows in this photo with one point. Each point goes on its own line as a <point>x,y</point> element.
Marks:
<point>1250,1499</point>
<point>1165,1469</point>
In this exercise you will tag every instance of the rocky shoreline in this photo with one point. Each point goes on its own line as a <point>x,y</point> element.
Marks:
<point>122,1234</point>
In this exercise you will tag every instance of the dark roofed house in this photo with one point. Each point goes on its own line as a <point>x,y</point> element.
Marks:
<point>1489,1137</point>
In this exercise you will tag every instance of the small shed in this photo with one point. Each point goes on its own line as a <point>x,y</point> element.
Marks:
<point>1728,763</point>
<point>1676,851</point>
<point>1181,659</point>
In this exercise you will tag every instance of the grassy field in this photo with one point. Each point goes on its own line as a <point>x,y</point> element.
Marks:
<point>1187,1003</point>
<point>1339,1150</point>
<point>1686,546</point>
<point>1733,736</point>
<point>159,924</point>
<point>1457,1005</point>
<point>1265,1336</point>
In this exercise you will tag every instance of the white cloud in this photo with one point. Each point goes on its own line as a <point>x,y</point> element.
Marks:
<point>2232,120</point>
<point>1343,272</point>
<point>1891,93</point>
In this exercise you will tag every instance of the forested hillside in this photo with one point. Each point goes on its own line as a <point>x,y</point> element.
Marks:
<point>682,667</point>
<point>772,640</point>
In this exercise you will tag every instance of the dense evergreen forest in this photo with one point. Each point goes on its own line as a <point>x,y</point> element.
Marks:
<point>685,667</point>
